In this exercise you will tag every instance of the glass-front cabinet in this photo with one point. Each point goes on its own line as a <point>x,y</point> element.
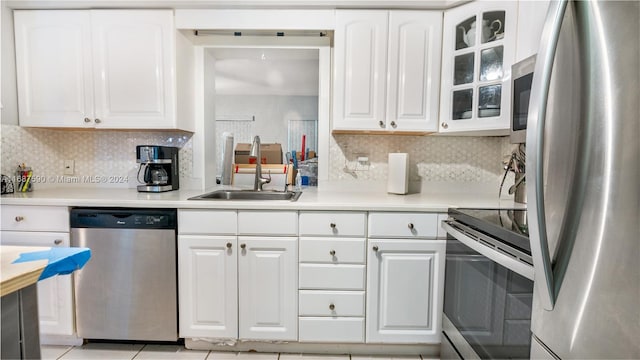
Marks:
<point>478,50</point>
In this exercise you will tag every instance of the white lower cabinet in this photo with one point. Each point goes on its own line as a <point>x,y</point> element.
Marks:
<point>267,288</point>
<point>208,286</point>
<point>234,286</point>
<point>44,226</point>
<point>405,284</point>
<point>332,277</point>
<point>55,297</point>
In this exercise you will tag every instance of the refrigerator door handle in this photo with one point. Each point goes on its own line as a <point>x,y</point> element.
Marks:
<point>544,282</point>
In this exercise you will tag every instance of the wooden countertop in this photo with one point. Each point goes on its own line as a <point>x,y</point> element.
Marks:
<point>18,276</point>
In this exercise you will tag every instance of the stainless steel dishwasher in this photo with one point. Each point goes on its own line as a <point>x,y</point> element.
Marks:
<point>128,291</point>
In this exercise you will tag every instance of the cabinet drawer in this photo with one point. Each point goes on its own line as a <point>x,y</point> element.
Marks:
<point>403,225</point>
<point>207,222</point>
<point>35,218</point>
<point>324,250</point>
<point>332,223</point>
<point>331,303</point>
<point>28,238</point>
<point>332,277</point>
<point>267,222</point>
<point>339,330</point>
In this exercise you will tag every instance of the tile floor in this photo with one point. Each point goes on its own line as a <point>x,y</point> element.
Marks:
<point>112,351</point>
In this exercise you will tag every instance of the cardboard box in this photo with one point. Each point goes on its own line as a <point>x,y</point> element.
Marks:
<point>270,153</point>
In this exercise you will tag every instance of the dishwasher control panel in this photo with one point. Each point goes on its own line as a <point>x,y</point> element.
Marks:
<point>114,218</point>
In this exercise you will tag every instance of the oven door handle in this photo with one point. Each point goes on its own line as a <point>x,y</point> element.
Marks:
<point>544,281</point>
<point>493,255</point>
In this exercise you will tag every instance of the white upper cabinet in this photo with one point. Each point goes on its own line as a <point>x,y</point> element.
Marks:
<point>96,68</point>
<point>478,50</point>
<point>531,17</point>
<point>387,70</point>
<point>360,69</point>
<point>54,69</point>
<point>133,56</point>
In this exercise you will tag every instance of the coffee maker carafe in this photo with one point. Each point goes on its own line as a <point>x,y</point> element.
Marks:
<point>159,170</point>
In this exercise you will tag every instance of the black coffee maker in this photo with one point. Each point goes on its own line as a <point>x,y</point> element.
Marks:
<point>159,170</point>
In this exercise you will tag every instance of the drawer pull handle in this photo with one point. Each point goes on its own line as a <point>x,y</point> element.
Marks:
<point>19,218</point>
<point>332,253</point>
<point>97,121</point>
<point>87,120</point>
<point>229,245</point>
<point>333,225</point>
<point>243,246</point>
<point>381,123</point>
<point>393,124</point>
<point>410,226</point>
<point>332,307</point>
<point>375,248</point>
<point>57,241</point>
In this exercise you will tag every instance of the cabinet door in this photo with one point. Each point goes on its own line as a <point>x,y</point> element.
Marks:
<point>360,69</point>
<point>405,284</point>
<point>478,50</point>
<point>54,71</point>
<point>531,17</point>
<point>55,302</point>
<point>133,53</point>
<point>268,281</point>
<point>415,46</point>
<point>208,290</point>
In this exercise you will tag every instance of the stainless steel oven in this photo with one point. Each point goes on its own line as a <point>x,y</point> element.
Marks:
<point>488,285</point>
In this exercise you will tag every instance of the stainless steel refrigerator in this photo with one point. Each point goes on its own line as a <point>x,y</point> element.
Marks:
<point>583,182</point>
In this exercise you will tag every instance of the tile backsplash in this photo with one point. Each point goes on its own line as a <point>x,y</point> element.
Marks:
<point>431,158</point>
<point>111,154</point>
<point>102,156</point>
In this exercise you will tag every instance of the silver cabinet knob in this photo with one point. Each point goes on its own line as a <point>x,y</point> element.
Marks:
<point>57,241</point>
<point>98,121</point>
<point>19,218</point>
<point>333,225</point>
<point>229,245</point>
<point>375,248</point>
<point>332,253</point>
<point>87,120</point>
<point>393,123</point>
<point>243,246</point>
<point>332,307</point>
<point>410,226</point>
<point>444,125</point>
<point>381,123</point>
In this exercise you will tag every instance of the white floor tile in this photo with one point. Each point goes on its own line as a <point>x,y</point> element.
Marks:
<point>103,351</point>
<point>170,352</point>
<point>313,357</point>
<point>52,352</point>
<point>242,356</point>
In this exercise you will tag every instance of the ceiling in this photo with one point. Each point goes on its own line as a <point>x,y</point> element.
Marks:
<point>285,72</point>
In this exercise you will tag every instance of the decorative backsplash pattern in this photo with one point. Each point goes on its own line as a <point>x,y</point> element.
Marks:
<point>112,154</point>
<point>431,158</point>
<point>103,154</point>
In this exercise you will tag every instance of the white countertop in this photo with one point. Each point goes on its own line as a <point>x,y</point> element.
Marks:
<point>343,195</point>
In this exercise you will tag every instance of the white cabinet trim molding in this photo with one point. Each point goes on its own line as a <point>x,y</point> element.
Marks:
<point>244,19</point>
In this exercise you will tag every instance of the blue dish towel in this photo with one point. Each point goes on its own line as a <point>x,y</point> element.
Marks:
<point>62,260</point>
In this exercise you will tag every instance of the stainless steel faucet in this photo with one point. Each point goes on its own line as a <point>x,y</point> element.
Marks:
<point>255,153</point>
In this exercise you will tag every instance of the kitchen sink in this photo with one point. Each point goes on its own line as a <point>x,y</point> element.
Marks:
<point>249,195</point>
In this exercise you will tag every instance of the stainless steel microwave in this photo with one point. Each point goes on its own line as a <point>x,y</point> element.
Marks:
<point>522,75</point>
